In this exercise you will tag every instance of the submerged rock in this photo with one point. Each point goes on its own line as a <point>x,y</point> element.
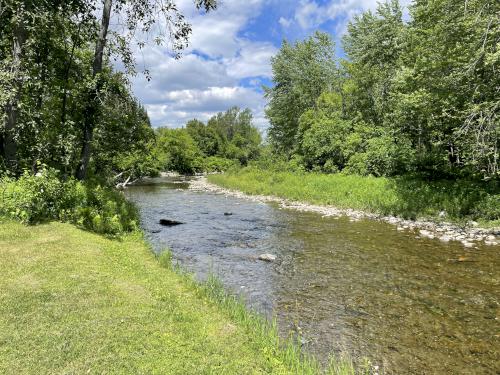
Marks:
<point>228,213</point>
<point>267,257</point>
<point>169,223</point>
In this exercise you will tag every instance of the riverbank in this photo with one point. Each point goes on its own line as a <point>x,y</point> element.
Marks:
<point>73,301</point>
<point>433,212</point>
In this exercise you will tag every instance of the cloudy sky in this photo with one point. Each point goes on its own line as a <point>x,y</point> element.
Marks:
<point>228,59</point>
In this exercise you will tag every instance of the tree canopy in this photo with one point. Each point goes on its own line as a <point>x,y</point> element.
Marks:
<point>61,102</point>
<point>416,96</point>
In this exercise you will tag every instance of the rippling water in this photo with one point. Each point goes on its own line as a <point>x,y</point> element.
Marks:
<point>412,306</point>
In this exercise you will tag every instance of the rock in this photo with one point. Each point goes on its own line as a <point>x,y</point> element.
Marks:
<point>426,233</point>
<point>445,238</point>
<point>491,237</point>
<point>490,243</point>
<point>467,244</point>
<point>169,223</point>
<point>155,231</point>
<point>442,214</point>
<point>228,213</point>
<point>267,257</point>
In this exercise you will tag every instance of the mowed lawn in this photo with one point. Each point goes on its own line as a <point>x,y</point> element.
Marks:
<point>72,302</point>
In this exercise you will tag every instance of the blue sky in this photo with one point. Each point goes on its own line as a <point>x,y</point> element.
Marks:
<point>229,56</point>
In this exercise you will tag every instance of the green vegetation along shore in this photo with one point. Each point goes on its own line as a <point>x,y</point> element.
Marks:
<point>406,197</point>
<point>76,302</point>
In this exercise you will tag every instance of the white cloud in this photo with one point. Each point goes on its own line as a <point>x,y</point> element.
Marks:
<point>178,107</point>
<point>309,14</point>
<point>253,59</point>
<point>216,34</point>
<point>285,22</point>
<point>206,80</point>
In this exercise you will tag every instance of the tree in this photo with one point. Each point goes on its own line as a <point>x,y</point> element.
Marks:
<point>29,37</point>
<point>373,44</point>
<point>301,72</point>
<point>139,12</point>
<point>447,94</point>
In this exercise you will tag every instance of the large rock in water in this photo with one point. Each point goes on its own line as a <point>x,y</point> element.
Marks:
<point>267,257</point>
<point>169,223</point>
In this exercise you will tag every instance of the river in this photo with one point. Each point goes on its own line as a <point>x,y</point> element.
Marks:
<point>410,305</point>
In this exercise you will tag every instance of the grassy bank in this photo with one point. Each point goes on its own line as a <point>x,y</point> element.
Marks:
<point>76,302</point>
<point>404,196</point>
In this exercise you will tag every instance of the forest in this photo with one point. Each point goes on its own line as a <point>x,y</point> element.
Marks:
<point>418,95</point>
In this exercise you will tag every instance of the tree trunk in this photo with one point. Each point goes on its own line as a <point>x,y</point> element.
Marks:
<point>12,107</point>
<point>66,77</point>
<point>92,105</point>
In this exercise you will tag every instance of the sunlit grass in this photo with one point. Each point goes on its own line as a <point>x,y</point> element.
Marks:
<point>403,196</point>
<point>76,302</point>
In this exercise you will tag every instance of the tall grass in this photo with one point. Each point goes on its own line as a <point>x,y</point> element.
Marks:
<point>408,197</point>
<point>285,354</point>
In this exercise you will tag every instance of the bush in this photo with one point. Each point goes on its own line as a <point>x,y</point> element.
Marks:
<point>36,198</point>
<point>489,208</point>
<point>218,164</point>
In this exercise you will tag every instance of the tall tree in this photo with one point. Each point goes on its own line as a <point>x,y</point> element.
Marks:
<point>141,14</point>
<point>301,72</point>
<point>18,23</point>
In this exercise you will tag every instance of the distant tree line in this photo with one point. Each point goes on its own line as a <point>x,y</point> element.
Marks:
<point>228,139</point>
<point>420,96</point>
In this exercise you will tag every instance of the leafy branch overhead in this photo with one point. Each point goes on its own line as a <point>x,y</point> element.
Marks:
<point>56,75</point>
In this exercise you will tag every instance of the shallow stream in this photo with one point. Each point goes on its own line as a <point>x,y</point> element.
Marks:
<point>411,305</point>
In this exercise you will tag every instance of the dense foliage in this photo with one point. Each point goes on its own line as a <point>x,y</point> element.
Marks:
<point>35,198</point>
<point>418,96</point>
<point>61,103</point>
<point>228,139</point>
<point>64,107</point>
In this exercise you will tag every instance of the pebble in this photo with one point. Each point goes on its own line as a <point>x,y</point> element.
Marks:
<point>267,257</point>
<point>444,231</point>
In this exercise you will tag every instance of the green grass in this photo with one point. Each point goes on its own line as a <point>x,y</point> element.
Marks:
<point>74,302</point>
<point>403,196</point>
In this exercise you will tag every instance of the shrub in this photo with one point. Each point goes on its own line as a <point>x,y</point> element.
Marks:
<point>218,164</point>
<point>36,198</point>
<point>489,208</point>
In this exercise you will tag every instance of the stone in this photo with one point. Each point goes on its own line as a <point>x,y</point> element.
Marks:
<point>445,238</point>
<point>426,233</point>
<point>169,223</point>
<point>228,213</point>
<point>267,257</point>
<point>467,244</point>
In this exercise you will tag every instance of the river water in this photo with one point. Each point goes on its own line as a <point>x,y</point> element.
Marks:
<point>411,305</point>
